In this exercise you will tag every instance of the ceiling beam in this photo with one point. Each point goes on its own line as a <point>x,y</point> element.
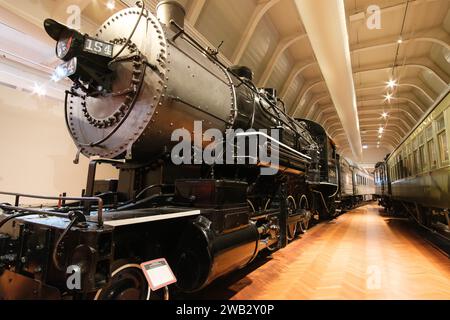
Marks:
<point>404,83</point>
<point>195,9</point>
<point>282,46</point>
<point>434,35</point>
<point>330,108</point>
<point>261,9</point>
<point>374,113</point>
<point>376,68</point>
<point>298,68</point>
<point>387,132</point>
<point>406,127</point>
<point>369,124</point>
<point>301,97</point>
<point>412,84</point>
<point>422,63</point>
<point>384,141</point>
<point>395,7</point>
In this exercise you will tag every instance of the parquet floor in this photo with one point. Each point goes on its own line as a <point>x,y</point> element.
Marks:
<point>360,255</point>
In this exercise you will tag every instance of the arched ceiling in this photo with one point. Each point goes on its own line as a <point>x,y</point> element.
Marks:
<point>269,37</point>
<point>277,48</point>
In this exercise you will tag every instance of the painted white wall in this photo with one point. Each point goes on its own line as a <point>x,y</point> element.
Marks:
<point>36,151</point>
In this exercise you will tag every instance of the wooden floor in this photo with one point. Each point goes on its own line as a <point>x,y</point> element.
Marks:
<point>360,255</point>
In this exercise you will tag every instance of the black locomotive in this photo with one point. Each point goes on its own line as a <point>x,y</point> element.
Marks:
<point>134,82</point>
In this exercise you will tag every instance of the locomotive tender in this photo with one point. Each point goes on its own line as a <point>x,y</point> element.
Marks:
<point>135,81</point>
<point>414,179</point>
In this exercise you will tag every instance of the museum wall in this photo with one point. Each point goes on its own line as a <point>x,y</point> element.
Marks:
<point>36,151</point>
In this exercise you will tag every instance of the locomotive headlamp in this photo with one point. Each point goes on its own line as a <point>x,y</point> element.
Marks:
<point>86,59</point>
<point>68,41</point>
<point>64,44</point>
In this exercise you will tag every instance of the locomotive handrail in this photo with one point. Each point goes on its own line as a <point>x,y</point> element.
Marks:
<point>86,199</point>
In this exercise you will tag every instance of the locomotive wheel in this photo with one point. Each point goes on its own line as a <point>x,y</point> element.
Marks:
<point>128,282</point>
<point>291,228</point>
<point>303,204</point>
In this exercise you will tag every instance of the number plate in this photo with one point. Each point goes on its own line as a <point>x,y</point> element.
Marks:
<point>98,47</point>
<point>158,274</point>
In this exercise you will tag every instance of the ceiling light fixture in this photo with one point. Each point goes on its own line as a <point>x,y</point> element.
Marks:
<point>381,130</point>
<point>388,97</point>
<point>111,4</point>
<point>385,115</point>
<point>400,40</point>
<point>39,90</point>
<point>365,146</point>
<point>391,84</point>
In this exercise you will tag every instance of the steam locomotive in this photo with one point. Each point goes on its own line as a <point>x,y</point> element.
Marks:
<point>134,82</point>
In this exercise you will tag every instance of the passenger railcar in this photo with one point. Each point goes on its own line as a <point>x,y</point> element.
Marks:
<point>364,185</point>
<point>415,177</point>
<point>356,185</point>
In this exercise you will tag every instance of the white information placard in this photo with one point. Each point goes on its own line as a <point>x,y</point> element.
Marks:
<point>158,273</point>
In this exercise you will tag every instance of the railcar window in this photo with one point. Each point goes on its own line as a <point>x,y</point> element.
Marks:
<point>440,123</point>
<point>443,146</point>
<point>442,140</point>
<point>429,132</point>
<point>431,153</point>
<point>398,172</point>
<point>417,164</point>
<point>410,165</point>
<point>422,155</point>
<point>423,162</point>
<point>421,139</point>
<point>431,147</point>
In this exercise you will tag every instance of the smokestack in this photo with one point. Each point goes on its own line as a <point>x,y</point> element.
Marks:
<point>167,11</point>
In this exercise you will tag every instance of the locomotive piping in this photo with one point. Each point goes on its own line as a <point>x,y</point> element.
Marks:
<point>274,140</point>
<point>87,199</point>
<point>133,31</point>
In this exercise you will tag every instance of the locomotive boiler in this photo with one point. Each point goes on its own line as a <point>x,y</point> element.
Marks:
<point>134,82</point>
